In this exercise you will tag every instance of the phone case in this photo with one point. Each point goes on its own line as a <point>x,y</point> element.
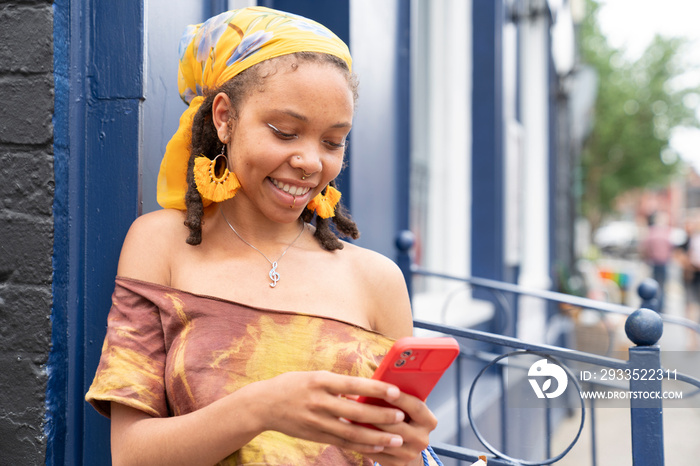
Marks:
<point>415,365</point>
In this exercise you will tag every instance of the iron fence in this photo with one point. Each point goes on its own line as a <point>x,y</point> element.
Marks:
<point>642,326</point>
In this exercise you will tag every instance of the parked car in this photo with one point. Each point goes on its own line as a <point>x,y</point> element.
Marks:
<point>618,238</point>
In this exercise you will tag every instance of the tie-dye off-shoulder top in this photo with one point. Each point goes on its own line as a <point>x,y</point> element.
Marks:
<point>169,352</point>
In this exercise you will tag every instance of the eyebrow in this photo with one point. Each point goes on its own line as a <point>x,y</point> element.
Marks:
<point>303,118</point>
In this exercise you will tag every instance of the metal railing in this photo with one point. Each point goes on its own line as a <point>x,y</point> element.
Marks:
<point>642,326</point>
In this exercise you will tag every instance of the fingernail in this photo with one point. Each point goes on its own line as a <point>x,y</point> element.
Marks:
<point>400,416</point>
<point>378,448</point>
<point>393,392</point>
<point>396,442</point>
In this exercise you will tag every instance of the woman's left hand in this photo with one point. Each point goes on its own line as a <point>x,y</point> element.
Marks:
<point>415,431</point>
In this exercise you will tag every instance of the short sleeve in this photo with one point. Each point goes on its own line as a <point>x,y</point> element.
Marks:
<point>131,368</point>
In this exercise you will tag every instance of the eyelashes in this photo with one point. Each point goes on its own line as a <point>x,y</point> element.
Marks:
<point>335,145</point>
<point>281,134</point>
<point>290,136</point>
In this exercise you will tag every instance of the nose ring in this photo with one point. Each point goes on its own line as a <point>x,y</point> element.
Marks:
<point>305,175</point>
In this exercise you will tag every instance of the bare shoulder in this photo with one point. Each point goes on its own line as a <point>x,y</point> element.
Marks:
<point>371,264</point>
<point>385,288</point>
<point>149,245</point>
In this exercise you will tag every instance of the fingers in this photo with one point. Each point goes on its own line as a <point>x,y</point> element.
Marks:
<point>358,386</point>
<point>345,391</point>
<point>369,443</point>
<point>310,406</point>
<point>410,450</point>
<point>347,435</point>
<point>363,439</point>
<point>415,433</point>
<point>347,419</point>
<point>321,406</point>
<point>362,413</point>
<point>351,387</point>
<point>416,410</point>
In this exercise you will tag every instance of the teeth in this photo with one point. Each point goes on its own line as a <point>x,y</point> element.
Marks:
<point>293,190</point>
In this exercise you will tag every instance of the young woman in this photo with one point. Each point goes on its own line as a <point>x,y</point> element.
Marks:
<point>242,327</point>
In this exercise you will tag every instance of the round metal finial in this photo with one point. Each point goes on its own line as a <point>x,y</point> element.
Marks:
<point>644,327</point>
<point>405,240</point>
<point>648,289</point>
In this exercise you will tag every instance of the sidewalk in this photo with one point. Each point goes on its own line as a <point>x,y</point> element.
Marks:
<point>613,435</point>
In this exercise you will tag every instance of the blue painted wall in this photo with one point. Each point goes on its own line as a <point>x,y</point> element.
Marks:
<point>487,141</point>
<point>99,89</point>
<point>381,135</point>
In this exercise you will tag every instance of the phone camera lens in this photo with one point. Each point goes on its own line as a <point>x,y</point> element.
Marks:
<point>400,363</point>
<point>406,353</point>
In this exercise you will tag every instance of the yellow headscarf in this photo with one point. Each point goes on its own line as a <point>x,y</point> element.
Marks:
<point>215,51</point>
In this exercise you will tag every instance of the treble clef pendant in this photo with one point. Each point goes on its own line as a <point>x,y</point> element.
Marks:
<point>274,275</point>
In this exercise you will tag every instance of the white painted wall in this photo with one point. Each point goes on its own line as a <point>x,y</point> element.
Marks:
<point>373,44</point>
<point>534,204</point>
<point>165,22</point>
<point>441,157</point>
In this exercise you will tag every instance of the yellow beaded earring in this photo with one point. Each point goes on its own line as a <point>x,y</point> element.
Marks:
<point>324,203</point>
<point>213,179</point>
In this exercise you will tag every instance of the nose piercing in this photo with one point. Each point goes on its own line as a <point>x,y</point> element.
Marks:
<point>305,175</point>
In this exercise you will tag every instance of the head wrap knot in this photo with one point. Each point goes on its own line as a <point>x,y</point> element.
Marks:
<point>215,51</point>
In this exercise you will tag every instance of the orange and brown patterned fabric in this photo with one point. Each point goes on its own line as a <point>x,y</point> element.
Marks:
<point>168,352</point>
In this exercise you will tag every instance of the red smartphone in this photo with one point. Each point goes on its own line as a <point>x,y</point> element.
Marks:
<point>415,365</point>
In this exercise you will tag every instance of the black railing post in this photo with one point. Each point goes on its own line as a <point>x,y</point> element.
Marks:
<point>405,240</point>
<point>644,328</point>
<point>594,445</point>
<point>648,290</point>
<point>460,409</point>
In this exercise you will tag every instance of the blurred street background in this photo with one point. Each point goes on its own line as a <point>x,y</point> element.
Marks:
<point>641,51</point>
<point>613,442</point>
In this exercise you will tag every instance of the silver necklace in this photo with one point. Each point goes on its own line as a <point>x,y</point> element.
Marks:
<point>273,274</point>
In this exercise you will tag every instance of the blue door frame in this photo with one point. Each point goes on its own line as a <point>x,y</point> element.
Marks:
<point>487,140</point>
<point>99,89</point>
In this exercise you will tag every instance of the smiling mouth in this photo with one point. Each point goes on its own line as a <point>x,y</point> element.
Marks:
<point>290,189</point>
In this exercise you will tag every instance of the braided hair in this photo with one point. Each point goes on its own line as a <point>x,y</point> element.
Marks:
<point>205,141</point>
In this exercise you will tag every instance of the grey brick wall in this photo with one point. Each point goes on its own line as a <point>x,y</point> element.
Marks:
<point>26,226</point>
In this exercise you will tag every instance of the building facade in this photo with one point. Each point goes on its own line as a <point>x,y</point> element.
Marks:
<point>456,133</point>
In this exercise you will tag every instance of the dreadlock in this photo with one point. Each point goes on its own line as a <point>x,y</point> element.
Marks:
<point>205,141</point>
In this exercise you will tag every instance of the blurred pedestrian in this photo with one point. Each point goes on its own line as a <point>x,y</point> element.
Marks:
<point>656,250</point>
<point>689,259</point>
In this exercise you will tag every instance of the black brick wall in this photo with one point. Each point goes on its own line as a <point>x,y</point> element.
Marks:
<point>26,226</point>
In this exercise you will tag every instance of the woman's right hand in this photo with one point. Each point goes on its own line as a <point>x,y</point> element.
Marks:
<point>319,406</point>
